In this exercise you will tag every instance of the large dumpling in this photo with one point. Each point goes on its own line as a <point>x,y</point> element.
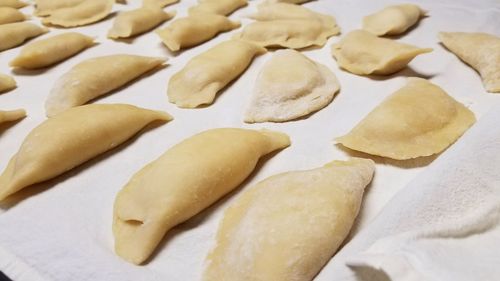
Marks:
<point>290,86</point>
<point>83,13</point>
<point>7,83</point>
<point>46,7</point>
<point>393,20</point>
<point>418,120</point>
<point>15,34</point>
<point>11,115</point>
<point>134,22</point>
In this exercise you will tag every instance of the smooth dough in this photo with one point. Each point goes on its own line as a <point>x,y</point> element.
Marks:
<point>95,77</point>
<point>289,225</point>
<point>194,29</point>
<point>290,86</point>
<point>360,52</point>
<point>46,52</point>
<point>479,50</point>
<point>158,3</point>
<point>220,7</point>
<point>393,20</point>
<point>86,12</point>
<point>182,182</point>
<point>418,120</point>
<point>10,15</point>
<point>16,4</point>
<point>70,139</point>
<point>11,115</point>
<point>7,83</point>
<point>15,34</point>
<point>47,7</point>
<point>130,23</point>
<point>206,74</point>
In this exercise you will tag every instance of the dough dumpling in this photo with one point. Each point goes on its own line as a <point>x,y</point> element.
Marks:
<point>360,52</point>
<point>418,120</point>
<point>10,15</point>
<point>86,12</point>
<point>289,225</point>
<point>185,180</point>
<point>290,86</point>
<point>15,34</point>
<point>220,7</point>
<point>46,7</point>
<point>207,73</point>
<point>393,20</point>
<point>46,52</point>
<point>158,3</point>
<point>95,77</point>
<point>479,50</point>
<point>70,139</point>
<point>11,115</point>
<point>16,4</point>
<point>130,23</point>
<point>7,83</point>
<point>288,1</point>
<point>194,29</point>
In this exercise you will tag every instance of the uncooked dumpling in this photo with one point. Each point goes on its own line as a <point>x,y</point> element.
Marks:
<point>15,34</point>
<point>289,225</point>
<point>182,182</point>
<point>206,74</point>
<point>360,52</point>
<point>138,21</point>
<point>393,20</point>
<point>70,139</point>
<point>7,83</point>
<point>16,4</point>
<point>194,29</point>
<point>158,3</point>
<point>10,15</point>
<point>46,52</point>
<point>95,77</point>
<point>479,50</point>
<point>11,115</point>
<point>418,120</point>
<point>86,12</point>
<point>46,7</point>
<point>288,1</point>
<point>290,86</point>
<point>219,7</point>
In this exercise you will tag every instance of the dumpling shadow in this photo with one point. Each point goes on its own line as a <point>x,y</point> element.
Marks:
<point>405,72</point>
<point>7,125</point>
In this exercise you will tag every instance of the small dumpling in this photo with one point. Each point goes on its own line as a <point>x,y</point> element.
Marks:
<point>289,225</point>
<point>11,115</point>
<point>95,77</point>
<point>86,12</point>
<point>7,83</point>
<point>130,23</point>
<point>479,50</point>
<point>182,182</point>
<point>10,15</point>
<point>207,73</point>
<point>70,139</point>
<point>158,3</point>
<point>15,34</point>
<point>194,29</point>
<point>360,52</point>
<point>220,7</point>
<point>46,7</point>
<point>16,4</point>
<point>393,20</point>
<point>290,86</point>
<point>418,120</point>
<point>46,52</point>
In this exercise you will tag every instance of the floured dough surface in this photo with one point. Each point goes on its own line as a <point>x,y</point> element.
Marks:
<point>393,20</point>
<point>7,83</point>
<point>288,226</point>
<point>418,120</point>
<point>290,86</point>
<point>134,22</point>
<point>11,115</point>
<point>83,13</point>
<point>15,34</point>
<point>219,7</point>
<point>10,15</point>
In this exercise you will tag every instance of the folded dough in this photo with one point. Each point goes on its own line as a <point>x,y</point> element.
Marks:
<point>10,15</point>
<point>479,50</point>
<point>220,7</point>
<point>15,34</point>
<point>7,83</point>
<point>290,86</point>
<point>418,120</point>
<point>16,4</point>
<point>134,22</point>
<point>194,29</point>
<point>46,52</point>
<point>83,13</point>
<point>47,7</point>
<point>289,225</point>
<point>207,73</point>
<point>11,115</point>
<point>70,139</point>
<point>158,3</point>
<point>95,77</point>
<point>185,180</point>
<point>393,20</point>
<point>360,52</point>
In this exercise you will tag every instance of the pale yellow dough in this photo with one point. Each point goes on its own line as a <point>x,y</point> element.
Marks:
<point>182,182</point>
<point>15,34</point>
<point>7,83</point>
<point>16,4</point>
<point>288,1</point>
<point>11,115</point>
<point>479,50</point>
<point>289,225</point>
<point>393,20</point>
<point>418,120</point>
<point>220,7</point>
<point>84,13</point>
<point>207,73</point>
<point>134,22</point>
<point>290,86</point>
<point>10,15</point>
<point>46,52</point>
<point>360,52</point>
<point>71,138</point>
<point>95,77</point>
<point>47,7</point>
<point>158,3</point>
<point>194,29</point>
